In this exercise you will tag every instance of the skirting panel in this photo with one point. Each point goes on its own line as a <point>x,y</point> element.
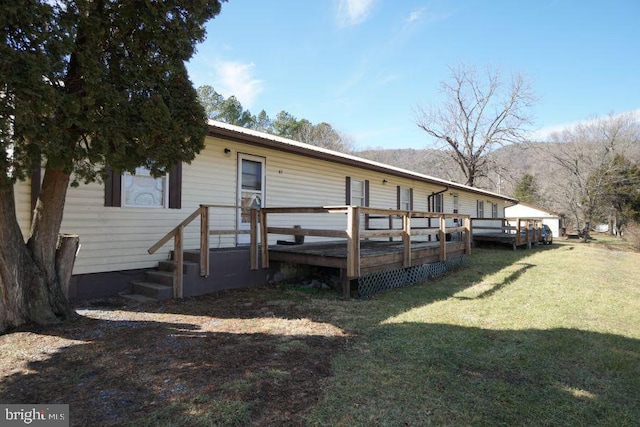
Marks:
<point>389,279</point>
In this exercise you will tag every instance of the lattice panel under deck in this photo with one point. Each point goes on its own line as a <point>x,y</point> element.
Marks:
<point>389,279</point>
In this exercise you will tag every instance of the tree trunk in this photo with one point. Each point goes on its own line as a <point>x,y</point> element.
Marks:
<point>30,287</point>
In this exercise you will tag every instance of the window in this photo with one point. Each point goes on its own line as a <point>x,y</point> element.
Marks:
<point>438,205</point>
<point>404,198</point>
<point>480,208</point>
<point>357,192</point>
<point>494,210</point>
<point>119,189</point>
<point>456,203</point>
<point>143,190</point>
<point>251,185</point>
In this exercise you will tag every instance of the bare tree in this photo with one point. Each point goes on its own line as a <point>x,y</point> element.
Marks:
<point>479,113</point>
<point>585,155</point>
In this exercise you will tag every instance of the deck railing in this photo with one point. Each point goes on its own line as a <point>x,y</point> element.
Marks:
<point>177,234</point>
<point>353,233</point>
<point>523,230</point>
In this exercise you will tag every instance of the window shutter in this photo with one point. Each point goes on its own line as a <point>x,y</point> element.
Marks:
<point>112,188</point>
<point>411,199</point>
<point>175,187</point>
<point>366,192</point>
<point>398,197</point>
<point>348,191</point>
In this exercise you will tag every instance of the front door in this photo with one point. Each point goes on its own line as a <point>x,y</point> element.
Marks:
<point>251,178</point>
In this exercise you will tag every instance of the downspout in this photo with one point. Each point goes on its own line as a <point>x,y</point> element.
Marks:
<point>431,203</point>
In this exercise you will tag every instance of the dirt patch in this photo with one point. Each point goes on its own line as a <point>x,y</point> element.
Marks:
<point>245,357</point>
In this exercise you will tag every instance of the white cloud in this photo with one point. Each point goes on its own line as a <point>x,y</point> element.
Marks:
<point>544,133</point>
<point>353,12</point>
<point>415,15</point>
<point>236,78</point>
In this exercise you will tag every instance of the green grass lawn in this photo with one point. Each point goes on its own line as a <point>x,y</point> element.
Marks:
<point>548,336</point>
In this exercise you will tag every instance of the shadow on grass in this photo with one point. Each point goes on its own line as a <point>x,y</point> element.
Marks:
<point>176,373</point>
<point>521,268</point>
<point>117,373</point>
<point>438,374</point>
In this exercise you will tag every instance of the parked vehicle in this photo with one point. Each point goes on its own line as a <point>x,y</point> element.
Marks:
<point>547,236</point>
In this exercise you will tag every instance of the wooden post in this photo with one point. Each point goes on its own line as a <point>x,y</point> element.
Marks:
<point>468,231</point>
<point>204,241</point>
<point>264,238</point>
<point>443,238</point>
<point>353,241</point>
<point>178,259</point>
<point>406,239</point>
<point>346,284</point>
<point>253,234</point>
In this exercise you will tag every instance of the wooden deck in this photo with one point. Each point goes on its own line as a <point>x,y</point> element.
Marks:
<point>512,231</point>
<point>364,249</point>
<point>351,244</point>
<point>374,255</point>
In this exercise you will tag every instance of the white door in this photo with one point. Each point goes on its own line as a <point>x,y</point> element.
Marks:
<point>251,178</point>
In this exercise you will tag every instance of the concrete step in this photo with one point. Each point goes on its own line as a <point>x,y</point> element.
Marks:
<point>152,290</point>
<point>160,277</point>
<point>138,298</point>
<point>188,266</point>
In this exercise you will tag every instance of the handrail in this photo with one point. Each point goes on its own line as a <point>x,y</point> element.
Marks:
<point>177,234</point>
<point>531,232</point>
<point>353,234</point>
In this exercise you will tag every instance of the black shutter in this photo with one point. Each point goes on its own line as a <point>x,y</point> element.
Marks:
<point>366,192</point>
<point>348,191</point>
<point>175,187</point>
<point>113,188</point>
<point>411,199</point>
<point>398,195</point>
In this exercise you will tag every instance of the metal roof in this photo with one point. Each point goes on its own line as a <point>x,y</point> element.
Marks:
<point>250,136</point>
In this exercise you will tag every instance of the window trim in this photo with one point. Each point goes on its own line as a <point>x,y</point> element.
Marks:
<point>165,190</point>
<point>480,208</point>
<point>348,196</point>
<point>440,198</point>
<point>400,201</point>
<point>113,188</point>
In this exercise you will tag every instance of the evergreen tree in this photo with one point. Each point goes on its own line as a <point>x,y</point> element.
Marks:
<point>85,84</point>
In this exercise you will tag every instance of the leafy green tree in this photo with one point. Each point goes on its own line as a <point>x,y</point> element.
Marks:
<point>84,84</point>
<point>526,189</point>
<point>211,101</point>
<point>262,122</point>
<point>285,125</point>
<point>228,110</point>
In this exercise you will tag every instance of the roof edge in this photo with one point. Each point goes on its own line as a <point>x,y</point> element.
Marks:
<point>240,134</point>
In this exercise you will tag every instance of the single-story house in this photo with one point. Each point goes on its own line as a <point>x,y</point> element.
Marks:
<point>551,218</point>
<point>119,220</point>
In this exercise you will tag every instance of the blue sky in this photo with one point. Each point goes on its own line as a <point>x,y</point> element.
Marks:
<point>364,65</point>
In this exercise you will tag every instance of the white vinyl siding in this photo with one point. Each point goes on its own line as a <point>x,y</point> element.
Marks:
<point>115,238</point>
